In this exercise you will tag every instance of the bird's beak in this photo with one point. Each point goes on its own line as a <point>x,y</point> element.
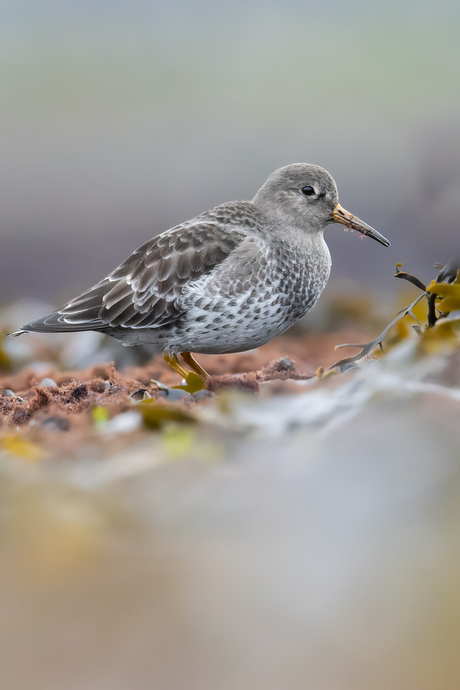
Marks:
<point>345,218</point>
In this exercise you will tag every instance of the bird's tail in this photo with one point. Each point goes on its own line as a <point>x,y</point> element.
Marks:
<point>55,323</point>
<point>15,334</point>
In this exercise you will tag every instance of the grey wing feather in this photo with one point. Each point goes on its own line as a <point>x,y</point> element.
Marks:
<point>145,290</point>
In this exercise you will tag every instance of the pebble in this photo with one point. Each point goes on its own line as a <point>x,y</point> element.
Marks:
<point>124,423</point>
<point>203,395</point>
<point>7,393</point>
<point>79,392</point>
<point>47,383</point>
<point>100,386</point>
<point>104,386</point>
<point>140,394</point>
<point>56,423</point>
<point>286,364</point>
<point>174,394</point>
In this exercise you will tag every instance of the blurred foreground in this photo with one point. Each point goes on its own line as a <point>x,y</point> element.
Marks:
<point>306,537</point>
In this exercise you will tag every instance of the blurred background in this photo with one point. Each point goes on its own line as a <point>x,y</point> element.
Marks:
<point>304,538</point>
<point>121,119</point>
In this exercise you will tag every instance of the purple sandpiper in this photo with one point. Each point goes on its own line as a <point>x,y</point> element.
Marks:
<point>229,280</point>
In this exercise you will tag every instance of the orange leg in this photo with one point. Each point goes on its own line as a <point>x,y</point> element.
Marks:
<point>174,363</point>
<point>193,364</point>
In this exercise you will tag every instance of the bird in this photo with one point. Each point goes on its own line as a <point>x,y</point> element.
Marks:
<point>226,281</point>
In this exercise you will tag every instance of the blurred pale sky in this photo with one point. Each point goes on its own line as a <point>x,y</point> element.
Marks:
<point>121,119</point>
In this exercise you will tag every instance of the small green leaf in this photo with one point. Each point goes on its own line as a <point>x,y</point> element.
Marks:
<point>178,439</point>
<point>155,415</point>
<point>194,383</point>
<point>449,293</point>
<point>14,445</point>
<point>100,415</point>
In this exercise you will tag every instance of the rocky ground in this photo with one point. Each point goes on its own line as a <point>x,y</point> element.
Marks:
<point>287,527</point>
<point>61,410</point>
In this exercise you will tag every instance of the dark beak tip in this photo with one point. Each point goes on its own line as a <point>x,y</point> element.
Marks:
<point>384,241</point>
<point>377,237</point>
<point>373,234</point>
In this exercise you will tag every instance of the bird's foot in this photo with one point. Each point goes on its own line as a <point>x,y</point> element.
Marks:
<point>194,366</point>
<point>195,380</point>
<point>173,362</point>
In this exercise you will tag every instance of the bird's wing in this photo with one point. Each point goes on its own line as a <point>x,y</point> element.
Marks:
<point>145,290</point>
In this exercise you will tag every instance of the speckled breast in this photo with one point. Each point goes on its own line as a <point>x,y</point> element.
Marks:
<point>254,302</point>
<point>301,280</point>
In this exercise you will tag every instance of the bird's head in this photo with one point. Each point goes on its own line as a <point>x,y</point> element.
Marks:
<point>306,196</point>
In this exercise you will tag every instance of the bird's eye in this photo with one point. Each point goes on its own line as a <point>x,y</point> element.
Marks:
<point>308,191</point>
